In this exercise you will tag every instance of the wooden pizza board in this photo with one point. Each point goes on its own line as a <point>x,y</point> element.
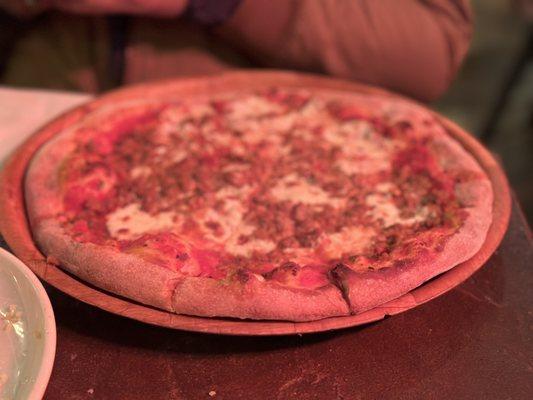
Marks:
<point>15,229</point>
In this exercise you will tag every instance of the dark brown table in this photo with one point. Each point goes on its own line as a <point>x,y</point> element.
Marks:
<point>475,342</point>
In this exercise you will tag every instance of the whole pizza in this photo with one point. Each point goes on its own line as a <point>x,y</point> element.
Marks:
<point>262,201</point>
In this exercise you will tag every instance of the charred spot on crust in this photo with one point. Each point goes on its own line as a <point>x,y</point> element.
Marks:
<point>182,256</point>
<point>440,247</point>
<point>242,276</point>
<point>335,273</point>
<point>391,240</point>
<point>336,277</point>
<point>353,258</point>
<point>288,267</point>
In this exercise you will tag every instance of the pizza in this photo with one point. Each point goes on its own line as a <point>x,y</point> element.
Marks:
<point>279,202</point>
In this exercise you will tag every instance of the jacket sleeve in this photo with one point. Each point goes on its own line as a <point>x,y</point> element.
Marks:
<point>411,46</point>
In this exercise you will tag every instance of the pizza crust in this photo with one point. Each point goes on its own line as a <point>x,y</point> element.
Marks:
<point>41,183</point>
<point>256,299</point>
<point>107,268</point>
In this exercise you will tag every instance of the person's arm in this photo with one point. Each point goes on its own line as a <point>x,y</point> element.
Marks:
<point>205,12</point>
<point>411,46</point>
<point>159,8</point>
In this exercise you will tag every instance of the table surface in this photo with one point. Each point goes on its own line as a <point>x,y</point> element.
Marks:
<point>475,341</point>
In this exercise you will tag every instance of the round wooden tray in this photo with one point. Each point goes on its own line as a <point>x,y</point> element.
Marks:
<point>15,229</point>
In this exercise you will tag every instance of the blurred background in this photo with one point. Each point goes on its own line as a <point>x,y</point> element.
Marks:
<point>492,96</point>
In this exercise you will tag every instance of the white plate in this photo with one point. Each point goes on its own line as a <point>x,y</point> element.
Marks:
<point>27,332</point>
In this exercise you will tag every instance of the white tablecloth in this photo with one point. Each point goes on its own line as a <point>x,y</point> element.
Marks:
<point>22,111</point>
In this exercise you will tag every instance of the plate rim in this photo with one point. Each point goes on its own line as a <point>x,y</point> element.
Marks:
<point>50,332</point>
<point>14,224</point>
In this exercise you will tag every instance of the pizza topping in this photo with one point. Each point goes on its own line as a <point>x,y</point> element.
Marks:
<point>294,275</point>
<point>349,240</point>
<point>130,221</point>
<point>171,251</point>
<point>293,100</point>
<point>90,190</point>
<point>255,107</point>
<point>293,187</point>
<point>278,182</point>
<point>382,208</point>
<point>349,112</point>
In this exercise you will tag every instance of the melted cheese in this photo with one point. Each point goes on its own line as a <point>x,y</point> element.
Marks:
<point>247,249</point>
<point>160,150</point>
<point>199,110</point>
<point>176,121</point>
<point>137,222</point>
<point>284,122</point>
<point>231,220</point>
<point>220,138</point>
<point>352,239</point>
<point>296,189</point>
<point>269,129</point>
<point>351,134</point>
<point>366,165</point>
<point>300,256</point>
<point>233,192</point>
<point>178,114</point>
<point>141,170</point>
<point>235,167</point>
<point>252,106</point>
<point>364,150</point>
<point>384,208</point>
<point>178,155</point>
<point>384,187</point>
<point>256,133</point>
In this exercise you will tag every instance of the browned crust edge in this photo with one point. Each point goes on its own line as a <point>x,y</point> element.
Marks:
<point>257,300</point>
<point>107,268</point>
